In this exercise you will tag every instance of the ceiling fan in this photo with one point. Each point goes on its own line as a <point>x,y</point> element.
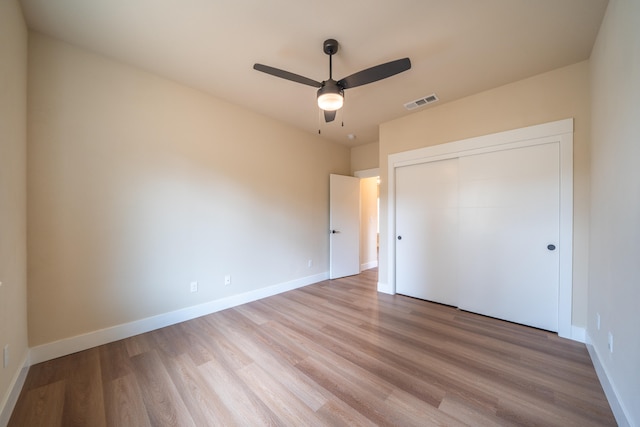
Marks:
<point>331,92</point>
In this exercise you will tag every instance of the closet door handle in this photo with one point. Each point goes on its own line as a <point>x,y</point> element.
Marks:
<point>551,247</point>
<point>399,237</point>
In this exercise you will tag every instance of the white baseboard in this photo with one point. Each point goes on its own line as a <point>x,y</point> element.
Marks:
<point>609,388</point>
<point>71,345</point>
<point>15,387</point>
<point>368,265</point>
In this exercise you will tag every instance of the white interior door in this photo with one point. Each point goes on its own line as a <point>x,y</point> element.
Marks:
<point>427,231</point>
<point>344,224</point>
<point>509,233</point>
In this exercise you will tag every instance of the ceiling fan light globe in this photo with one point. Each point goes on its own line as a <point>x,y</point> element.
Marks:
<point>330,101</point>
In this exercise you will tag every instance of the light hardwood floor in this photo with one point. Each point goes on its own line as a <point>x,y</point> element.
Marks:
<point>333,353</point>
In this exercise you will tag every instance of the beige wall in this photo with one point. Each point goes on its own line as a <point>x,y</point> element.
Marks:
<point>364,157</point>
<point>13,197</point>
<point>138,186</point>
<point>614,270</point>
<point>551,96</point>
<point>368,221</point>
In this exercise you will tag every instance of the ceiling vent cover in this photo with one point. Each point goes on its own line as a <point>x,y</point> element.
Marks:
<point>429,99</point>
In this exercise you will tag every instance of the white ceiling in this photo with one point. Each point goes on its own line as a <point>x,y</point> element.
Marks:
<point>457,47</point>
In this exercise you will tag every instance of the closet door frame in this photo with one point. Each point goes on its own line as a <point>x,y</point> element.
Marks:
<point>560,132</point>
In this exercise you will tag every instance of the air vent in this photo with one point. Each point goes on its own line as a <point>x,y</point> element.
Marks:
<point>429,99</point>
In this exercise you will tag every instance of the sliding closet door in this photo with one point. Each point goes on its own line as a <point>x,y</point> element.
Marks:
<point>427,231</point>
<point>509,232</point>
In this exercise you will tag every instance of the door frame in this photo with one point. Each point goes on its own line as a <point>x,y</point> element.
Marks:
<point>560,132</point>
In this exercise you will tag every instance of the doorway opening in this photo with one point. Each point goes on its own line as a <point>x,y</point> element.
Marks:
<point>369,217</point>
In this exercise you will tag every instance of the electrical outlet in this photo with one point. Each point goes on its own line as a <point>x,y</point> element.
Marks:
<point>227,279</point>
<point>310,263</point>
<point>5,360</point>
<point>610,342</point>
<point>194,287</point>
<point>598,320</point>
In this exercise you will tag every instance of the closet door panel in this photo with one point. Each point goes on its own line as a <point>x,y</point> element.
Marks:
<point>427,231</point>
<point>509,232</point>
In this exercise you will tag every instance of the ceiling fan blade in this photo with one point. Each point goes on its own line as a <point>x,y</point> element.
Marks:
<point>286,75</point>
<point>376,73</point>
<point>329,116</point>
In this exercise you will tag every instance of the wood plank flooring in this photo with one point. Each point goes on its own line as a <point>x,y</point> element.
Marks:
<point>334,353</point>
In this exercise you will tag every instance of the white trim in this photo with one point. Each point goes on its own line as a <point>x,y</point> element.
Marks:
<point>71,345</point>
<point>385,288</point>
<point>15,387</point>
<point>559,131</point>
<point>367,173</point>
<point>578,334</point>
<point>368,265</point>
<point>618,409</point>
<point>565,291</point>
